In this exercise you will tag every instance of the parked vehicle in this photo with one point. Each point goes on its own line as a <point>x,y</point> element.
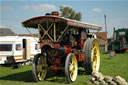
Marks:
<point>119,42</point>
<point>17,49</point>
<point>65,45</point>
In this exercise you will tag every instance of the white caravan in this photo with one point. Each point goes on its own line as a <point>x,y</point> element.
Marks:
<point>18,49</point>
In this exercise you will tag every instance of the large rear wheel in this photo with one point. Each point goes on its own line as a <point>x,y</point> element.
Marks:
<point>39,70</point>
<point>71,68</point>
<point>92,55</point>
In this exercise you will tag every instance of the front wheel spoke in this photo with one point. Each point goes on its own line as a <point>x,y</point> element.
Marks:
<point>39,68</point>
<point>74,67</point>
<point>43,73</point>
<point>70,67</point>
<point>71,74</point>
<point>38,74</point>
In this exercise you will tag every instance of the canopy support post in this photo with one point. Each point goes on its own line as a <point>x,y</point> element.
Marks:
<point>54,32</point>
<point>39,31</point>
<point>62,33</point>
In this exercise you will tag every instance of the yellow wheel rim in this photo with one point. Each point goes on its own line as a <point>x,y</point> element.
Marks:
<point>41,72</point>
<point>73,68</point>
<point>95,56</point>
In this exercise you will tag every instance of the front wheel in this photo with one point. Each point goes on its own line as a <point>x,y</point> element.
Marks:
<point>92,55</point>
<point>39,70</point>
<point>71,68</point>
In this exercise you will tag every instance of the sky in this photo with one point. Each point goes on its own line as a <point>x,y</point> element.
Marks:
<point>13,12</point>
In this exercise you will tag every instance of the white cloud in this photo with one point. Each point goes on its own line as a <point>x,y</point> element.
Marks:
<point>6,8</point>
<point>67,6</point>
<point>97,9</point>
<point>40,8</point>
<point>2,26</point>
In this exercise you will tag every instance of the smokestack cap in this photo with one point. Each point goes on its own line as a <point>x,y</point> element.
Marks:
<point>55,13</point>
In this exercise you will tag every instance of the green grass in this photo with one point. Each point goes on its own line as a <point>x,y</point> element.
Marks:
<point>114,66</point>
<point>117,65</point>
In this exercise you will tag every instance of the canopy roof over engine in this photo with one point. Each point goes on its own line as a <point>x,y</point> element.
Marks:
<point>33,22</point>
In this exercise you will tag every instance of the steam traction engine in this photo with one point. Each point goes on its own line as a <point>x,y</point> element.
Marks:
<point>119,43</point>
<point>65,45</point>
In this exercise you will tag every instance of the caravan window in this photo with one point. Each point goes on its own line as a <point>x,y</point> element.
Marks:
<point>5,47</point>
<point>37,46</point>
<point>18,46</point>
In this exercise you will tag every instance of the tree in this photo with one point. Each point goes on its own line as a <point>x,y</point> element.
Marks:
<point>68,12</point>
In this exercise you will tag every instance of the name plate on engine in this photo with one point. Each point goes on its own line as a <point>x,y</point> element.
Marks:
<point>48,41</point>
<point>121,33</point>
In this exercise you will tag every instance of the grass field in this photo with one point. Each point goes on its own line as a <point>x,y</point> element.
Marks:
<point>23,76</point>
